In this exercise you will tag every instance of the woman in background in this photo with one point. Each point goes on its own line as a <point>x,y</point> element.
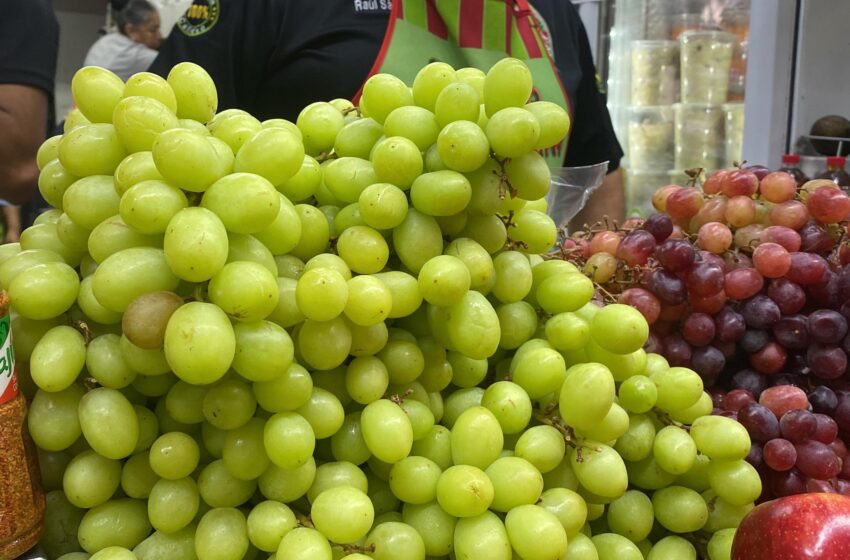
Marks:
<point>135,46</point>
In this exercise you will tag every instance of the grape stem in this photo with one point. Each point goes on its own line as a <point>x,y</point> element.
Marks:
<point>399,399</point>
<point>664,418</point>
<point>84,329</point>
<point>694,174</point>
<point>346,112</point>
<point>198,293</point>
<point>548,417</point>
<point>325,156</point>
<point>354,549</point>
<point>304,520</point>
<point>607,296</point>
<point>504,183</point>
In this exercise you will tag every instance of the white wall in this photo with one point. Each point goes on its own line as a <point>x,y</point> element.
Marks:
<point>79,22</point>
<point>822,84</point>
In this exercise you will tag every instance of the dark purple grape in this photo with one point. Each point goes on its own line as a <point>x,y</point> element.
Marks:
<point>698,329</point>
<point>736,399</point>
<point>826,430</point>
<point>659,225</point>
<point>826,361</point>
<point>675,255</point>
<point>769,360</point>
<point>761,312</point>
<point>729,325</point>
<point>750,380</point>
<point>792,332</point>
<point>779,454</point>
<point>708,362</point>
<point>823,399</point>
<point>787,483</point>
<point>815,238</point>
<point>827,326</point>
<point>842,411</point>
<point>817,460</point>
<point>798,425</point>
<point>844,283</point>
<point>790,297</point>
<point>807,268</point>
<point>676,350</point>
<point>754,340</point>
<point>728,349</point>
<point>824,294</point>
<point>653,344</point>
<point>705,279</point>
<point>797,365</point>
<point>760,422</point>
<point>711,258</point>
<point>667,287</point>
<point>755,456</point>
<point>787,378</point>
<point>636,247</point>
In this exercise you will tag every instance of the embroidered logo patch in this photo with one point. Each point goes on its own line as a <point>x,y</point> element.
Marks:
<point>201,16</point>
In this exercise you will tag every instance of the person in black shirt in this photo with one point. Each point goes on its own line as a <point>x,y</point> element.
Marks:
<point>29,42</point>
<point>274,57</point>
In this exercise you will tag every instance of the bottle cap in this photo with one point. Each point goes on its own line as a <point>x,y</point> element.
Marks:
<point>792,159</point>
<point>835,161</point>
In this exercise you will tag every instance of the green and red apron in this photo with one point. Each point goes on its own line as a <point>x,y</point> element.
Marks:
<point>471,33</point>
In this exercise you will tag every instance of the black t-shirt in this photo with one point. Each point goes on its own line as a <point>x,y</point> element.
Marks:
<point>29,41</point>
<point>29,44</point>
<point>274,57</point>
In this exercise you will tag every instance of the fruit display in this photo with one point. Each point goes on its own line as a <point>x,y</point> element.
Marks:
<point>746,281</point>
<point>336,338</point>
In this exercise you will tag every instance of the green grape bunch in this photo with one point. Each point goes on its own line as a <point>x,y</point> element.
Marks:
<point>339,338</point>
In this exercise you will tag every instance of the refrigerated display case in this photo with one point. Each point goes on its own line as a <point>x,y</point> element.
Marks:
<point>675,73</point>
<point>781,63</point>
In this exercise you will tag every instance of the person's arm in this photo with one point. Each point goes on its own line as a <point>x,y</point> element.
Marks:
<point>23,120</point>
<point>29,42</point>
<point>12,217</point>
<point>608,200</point>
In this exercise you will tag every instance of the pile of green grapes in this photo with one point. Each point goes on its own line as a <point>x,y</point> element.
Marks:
<point>336,338</point>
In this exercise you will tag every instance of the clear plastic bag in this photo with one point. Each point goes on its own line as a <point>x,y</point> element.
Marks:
<point>570,190</point>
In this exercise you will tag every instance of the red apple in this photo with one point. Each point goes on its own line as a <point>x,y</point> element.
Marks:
<point>801,527</point>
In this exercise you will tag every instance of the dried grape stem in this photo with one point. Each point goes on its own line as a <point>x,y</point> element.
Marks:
<point>84,330</point>
<point>504,183</point>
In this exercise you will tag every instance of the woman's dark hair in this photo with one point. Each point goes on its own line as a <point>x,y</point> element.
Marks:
<point>134,12</point>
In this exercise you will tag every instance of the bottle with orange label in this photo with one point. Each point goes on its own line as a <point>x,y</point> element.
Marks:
<point>21,498</point>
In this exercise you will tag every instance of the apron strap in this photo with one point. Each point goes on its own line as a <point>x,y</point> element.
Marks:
<point>524,17</point>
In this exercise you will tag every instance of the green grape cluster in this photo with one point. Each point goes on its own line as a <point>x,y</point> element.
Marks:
<point>336,338</point>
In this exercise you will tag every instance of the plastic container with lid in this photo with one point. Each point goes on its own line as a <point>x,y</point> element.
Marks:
<point>699,138</point>
<point>21,498</point>
<point>706,57</point>
<point>651,138</point>
<point>734,133</point>
<point>680,23</point>
<point>836,173</point>
<point>655,72</point>
<point>791,165</point>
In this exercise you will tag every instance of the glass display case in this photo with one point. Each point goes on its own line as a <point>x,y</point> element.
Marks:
<point>675,73</point>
